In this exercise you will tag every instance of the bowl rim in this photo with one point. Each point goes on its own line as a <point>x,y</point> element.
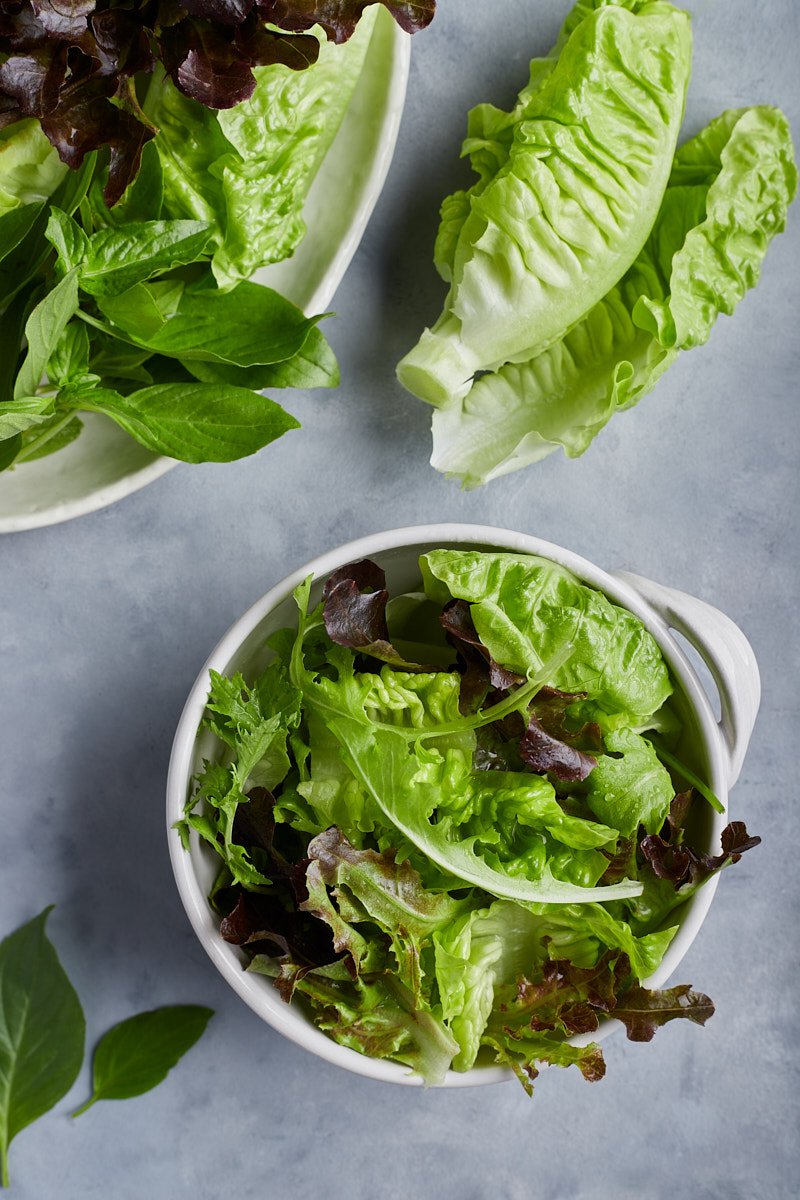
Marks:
<point>255,990</point>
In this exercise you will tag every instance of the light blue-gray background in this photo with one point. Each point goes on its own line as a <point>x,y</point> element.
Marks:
<point>105,622</point>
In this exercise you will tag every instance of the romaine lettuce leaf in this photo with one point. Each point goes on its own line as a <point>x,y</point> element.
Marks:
<point>570,206</point>
<point>474,953</point>
<point>279,138</point>
<point>727,198</point>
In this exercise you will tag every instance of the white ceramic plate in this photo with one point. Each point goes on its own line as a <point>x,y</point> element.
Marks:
<point>104,464</point>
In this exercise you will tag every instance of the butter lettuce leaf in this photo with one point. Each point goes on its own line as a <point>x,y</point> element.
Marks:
<point>30,169</point>
<point>525,607</point>
<point>248,169</point>
<point>629,786</point>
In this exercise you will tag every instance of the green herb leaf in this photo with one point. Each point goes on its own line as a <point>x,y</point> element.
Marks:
<point>67,239</point>
<point>43,331</point>
<point>314,366</point>
<point>200,422</point>
<point>16,224</point>
<point>18,415</point>
<point>42,1031</point>
<point>247,326</point>
<point>54,434</point>
<point>70,359</point>
<point>136,313</point>
<point>12,325</point>
<point>118,258</point>
<point>9,449</point>
<point>139,1053</point>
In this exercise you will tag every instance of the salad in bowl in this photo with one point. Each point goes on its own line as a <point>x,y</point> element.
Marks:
<point>454,824</point>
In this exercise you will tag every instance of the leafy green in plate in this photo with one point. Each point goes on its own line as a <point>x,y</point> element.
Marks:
<point>104,464</point>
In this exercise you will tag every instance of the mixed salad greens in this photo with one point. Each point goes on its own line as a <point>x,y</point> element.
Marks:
<point>445,820</point>
<point>77,66</point>
<point>588,253</point>
<point>143,311</point>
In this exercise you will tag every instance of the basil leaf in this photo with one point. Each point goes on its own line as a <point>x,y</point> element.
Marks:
<point>314,366</point>
<point>247,326</point>
<point>20,267</point>
<point>118,258</point>
<point>143,308</point>
<point>16,224</point>
<point>18,415</point>
<point>54,435</point>
<point>137,1054</point>
<point>67,239</point>
<point>42,1031</point>
<point>113,359</point>
<point>43,331</point>
<point>12,325</point>
<point>9,449</point>
<point>194,422</point>
<point>70,358</point>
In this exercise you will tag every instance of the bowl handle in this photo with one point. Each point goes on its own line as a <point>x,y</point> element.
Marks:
<point>725,651</point>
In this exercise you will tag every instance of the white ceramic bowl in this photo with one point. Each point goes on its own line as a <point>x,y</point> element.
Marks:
<point>104,464</point>
<point>715,749</point>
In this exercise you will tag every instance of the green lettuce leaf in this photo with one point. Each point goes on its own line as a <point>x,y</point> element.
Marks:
<point>571,205</point>
<point>332,792</point>
<point>377,1017</point>
<point>525,607</point>
<point>30,169</point>
<point>248,169</point>
<point>629,786</point>
<point>376,888</point>
<point>727,198</point>
<point>481,956</point>
<point>409,781</point>
<point>475,953</point>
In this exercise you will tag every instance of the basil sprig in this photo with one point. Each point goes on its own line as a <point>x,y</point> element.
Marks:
<point>120,315</point>
<point>42,1035</point>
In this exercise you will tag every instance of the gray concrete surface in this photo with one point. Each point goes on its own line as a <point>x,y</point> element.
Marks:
<point>106,620</point>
